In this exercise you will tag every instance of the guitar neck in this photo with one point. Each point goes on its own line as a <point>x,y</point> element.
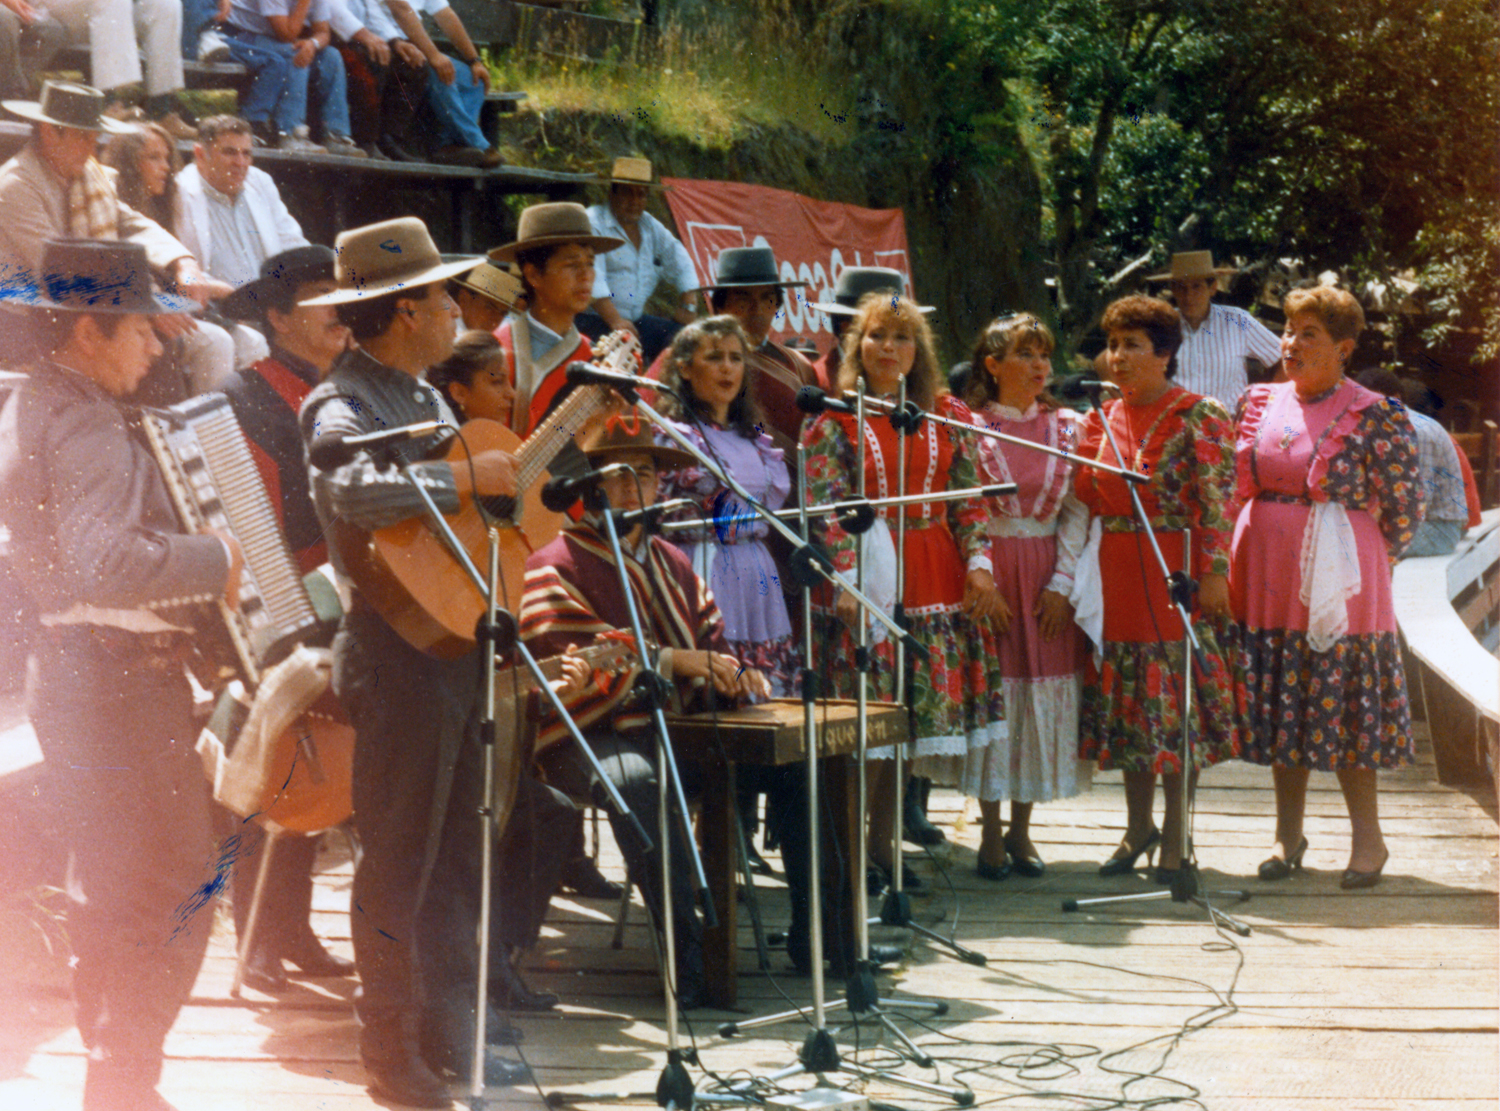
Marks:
<point>542,446</point>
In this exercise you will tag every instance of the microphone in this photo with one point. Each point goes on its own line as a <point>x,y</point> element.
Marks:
<point>1076,389</point>
<point>559,494</point>
<point>627,519</point>
<point>332,452</point>
<point>587,374</point>
<point>810,399</point>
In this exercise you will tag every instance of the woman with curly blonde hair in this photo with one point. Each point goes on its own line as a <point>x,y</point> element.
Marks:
<point>948,592</point>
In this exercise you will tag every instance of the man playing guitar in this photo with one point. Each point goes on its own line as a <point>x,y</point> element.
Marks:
<point>417,760</point>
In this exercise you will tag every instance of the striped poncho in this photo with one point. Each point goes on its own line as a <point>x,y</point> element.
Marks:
<point>573,596</point>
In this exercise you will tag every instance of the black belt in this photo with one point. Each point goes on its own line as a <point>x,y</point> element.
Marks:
<point>1283,499</point>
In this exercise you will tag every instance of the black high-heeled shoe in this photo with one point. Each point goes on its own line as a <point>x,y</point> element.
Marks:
<point>1353,881</point>
<point>1274,868</point>
<point>1124,865</point>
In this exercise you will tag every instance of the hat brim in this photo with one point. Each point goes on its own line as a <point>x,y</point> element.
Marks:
<point>163,304</point>
<point>490,294</point>
<point>654,186</point>
<point>507,252</point>
<point>746,285</point>
<point>1217,272</point>
<point>836,309</point>
<point>667,458</point>
<point>436,273</point>
<point>31,110</point>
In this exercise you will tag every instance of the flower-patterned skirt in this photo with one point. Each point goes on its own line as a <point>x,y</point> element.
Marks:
<point>779,659</point>
<point>957,694</point>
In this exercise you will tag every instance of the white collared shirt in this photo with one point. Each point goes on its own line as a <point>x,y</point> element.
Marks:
<point>1211,360</point>
<point>629,274</point>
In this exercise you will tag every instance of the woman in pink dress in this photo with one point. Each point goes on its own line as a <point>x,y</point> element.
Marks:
<point>1328,478</point>
<point>1035,539</point>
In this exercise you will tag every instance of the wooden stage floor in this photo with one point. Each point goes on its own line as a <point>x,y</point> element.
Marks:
<point>1384,999</point>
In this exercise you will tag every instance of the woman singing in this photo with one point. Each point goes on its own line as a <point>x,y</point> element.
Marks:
<point>1328,474</point>
<point>949,594</point>
<point>705,368</point>
<point>1131,715</point>
<point>1035,540</point>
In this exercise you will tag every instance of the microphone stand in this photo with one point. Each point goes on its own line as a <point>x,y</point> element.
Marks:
<point>1180,589</point>
<point>819,1053</point>
<point>674,1088</point>
<point>493,631</point>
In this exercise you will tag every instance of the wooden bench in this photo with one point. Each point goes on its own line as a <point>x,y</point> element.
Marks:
<point>1448,611</point>
<point>195,75</point>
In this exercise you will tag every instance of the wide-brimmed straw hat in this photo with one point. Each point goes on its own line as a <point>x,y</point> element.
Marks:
<point>68,104</point>
<point>498,283</point>
<point>633,171</point>
<point>93,276</point>
<point>855,283</point>
<point>745,268</point>
<point>1192,264</point>
<point>545,225</point>
<point>630,435</point>
<point>385,257</point>
<point>287,270</point>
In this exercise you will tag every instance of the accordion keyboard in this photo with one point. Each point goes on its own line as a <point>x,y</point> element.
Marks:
<point>215,483</point>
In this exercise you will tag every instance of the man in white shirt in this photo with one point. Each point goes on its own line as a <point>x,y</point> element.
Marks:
<point>1216,339</point>
<point>231,217</point>
<point>627,276</point>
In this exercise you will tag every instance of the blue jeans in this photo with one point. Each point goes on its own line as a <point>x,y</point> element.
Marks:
<point>456,108</point>
<point>279,91</point>
<point>196,17</point>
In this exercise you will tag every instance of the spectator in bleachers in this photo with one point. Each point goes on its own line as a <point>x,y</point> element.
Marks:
<point>146,165</point>
<point>201,35</point>
<point>144,162</point>
<point>455,87</point>
<point>231,215</point>
<point>627,276</point>
<point>385,74</point>
<point>53,188</point>
<point>1445,515</point>
<point>118,33</point>
<point>29,36</point>
<point>287,45</point>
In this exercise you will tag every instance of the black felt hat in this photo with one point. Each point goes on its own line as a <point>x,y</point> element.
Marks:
<point>745,268</point>
<point>94,276</point>
<point>279,273</point>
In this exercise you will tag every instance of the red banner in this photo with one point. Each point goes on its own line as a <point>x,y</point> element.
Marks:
<point>812,240</point>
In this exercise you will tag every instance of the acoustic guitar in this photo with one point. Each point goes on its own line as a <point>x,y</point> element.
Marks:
<point>406,572</point>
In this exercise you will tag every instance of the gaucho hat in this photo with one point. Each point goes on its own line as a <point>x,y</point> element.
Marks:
<point>286,270</point>
<point>855,283</point>
<point>546,225</point>
<point>93,276</point>
<point>68,104</point>
<point>386,257</point>
<point>745,268</point>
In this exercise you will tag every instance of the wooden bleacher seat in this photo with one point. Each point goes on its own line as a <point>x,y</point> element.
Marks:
<point>196,75</point>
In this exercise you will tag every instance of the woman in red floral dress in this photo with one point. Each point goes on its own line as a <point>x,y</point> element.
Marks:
<point>950,592</point>
<point>1132,699</point>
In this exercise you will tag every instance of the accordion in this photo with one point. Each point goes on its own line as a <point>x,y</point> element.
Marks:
<point>214,483</point>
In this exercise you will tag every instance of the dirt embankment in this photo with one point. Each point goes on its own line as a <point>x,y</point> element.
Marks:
<point>974,231</point>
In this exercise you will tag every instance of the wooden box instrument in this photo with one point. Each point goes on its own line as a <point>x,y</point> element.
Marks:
<point>771,732</point>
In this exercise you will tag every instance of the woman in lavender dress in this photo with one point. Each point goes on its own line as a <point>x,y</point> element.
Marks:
<point>705,369</point>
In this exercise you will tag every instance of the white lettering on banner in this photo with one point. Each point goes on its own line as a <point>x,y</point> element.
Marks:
<point>814,241</point>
